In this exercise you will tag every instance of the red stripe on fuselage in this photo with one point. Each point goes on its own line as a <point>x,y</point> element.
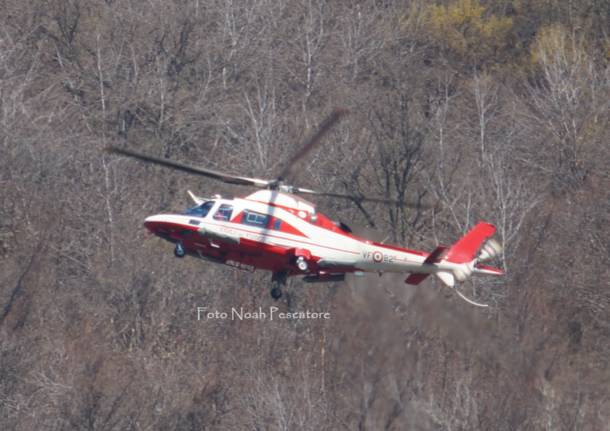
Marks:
<point>154,226</point>
<point>266,233</point>
<point>404,250</point>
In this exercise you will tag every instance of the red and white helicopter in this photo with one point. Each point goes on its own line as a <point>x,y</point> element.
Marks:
<point>275,230</point>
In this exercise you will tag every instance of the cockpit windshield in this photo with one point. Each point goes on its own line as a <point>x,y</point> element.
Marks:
<point>200,210</point>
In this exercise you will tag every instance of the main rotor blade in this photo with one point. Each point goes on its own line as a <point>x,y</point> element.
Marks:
<point>356,198</point>
<point>311,142</point>
<point>226,178</point>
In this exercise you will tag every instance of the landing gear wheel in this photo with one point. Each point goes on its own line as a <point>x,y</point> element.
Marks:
<point>278,280</point>
<point>276,293</point>
<point>179,251</point>
<point>302,264</point>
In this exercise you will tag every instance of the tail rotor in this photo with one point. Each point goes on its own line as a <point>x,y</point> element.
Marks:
<point>491,248</point>
<point>474,247</point>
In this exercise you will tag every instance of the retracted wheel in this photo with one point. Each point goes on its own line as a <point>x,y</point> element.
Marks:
<point>179,251</point>
<point>302,264</point>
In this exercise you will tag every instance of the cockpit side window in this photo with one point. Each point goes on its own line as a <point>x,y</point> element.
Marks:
<point>255,219</point>
<point>200,210</point>
<point>224,212</point>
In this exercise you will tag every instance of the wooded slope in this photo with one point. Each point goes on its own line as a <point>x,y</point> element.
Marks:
<point>494,110</point>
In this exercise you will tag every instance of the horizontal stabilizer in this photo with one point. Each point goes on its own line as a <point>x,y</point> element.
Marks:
<point>416,278</point>
<point>437,254</point>
<point>434,257</point>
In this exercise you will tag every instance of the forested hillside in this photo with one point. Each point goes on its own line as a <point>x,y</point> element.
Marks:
<point>491,110</point>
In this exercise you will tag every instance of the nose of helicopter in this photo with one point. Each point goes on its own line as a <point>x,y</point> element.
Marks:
<point>155,223</point>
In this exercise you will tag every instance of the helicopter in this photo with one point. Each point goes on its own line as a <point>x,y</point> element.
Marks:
<point>275,229</point>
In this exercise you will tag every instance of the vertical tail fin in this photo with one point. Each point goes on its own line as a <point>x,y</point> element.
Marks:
<point>466,248</point>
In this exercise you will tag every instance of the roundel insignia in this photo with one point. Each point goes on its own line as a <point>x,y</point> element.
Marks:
<point>377,256</point>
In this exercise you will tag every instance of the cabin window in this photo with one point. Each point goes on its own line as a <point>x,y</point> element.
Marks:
<point>255,219</point>
<point>200,210</point>
<point>277,224</point>
<point>224,212</point>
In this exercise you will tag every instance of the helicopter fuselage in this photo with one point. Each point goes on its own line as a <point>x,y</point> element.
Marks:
<point>283,233</point>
